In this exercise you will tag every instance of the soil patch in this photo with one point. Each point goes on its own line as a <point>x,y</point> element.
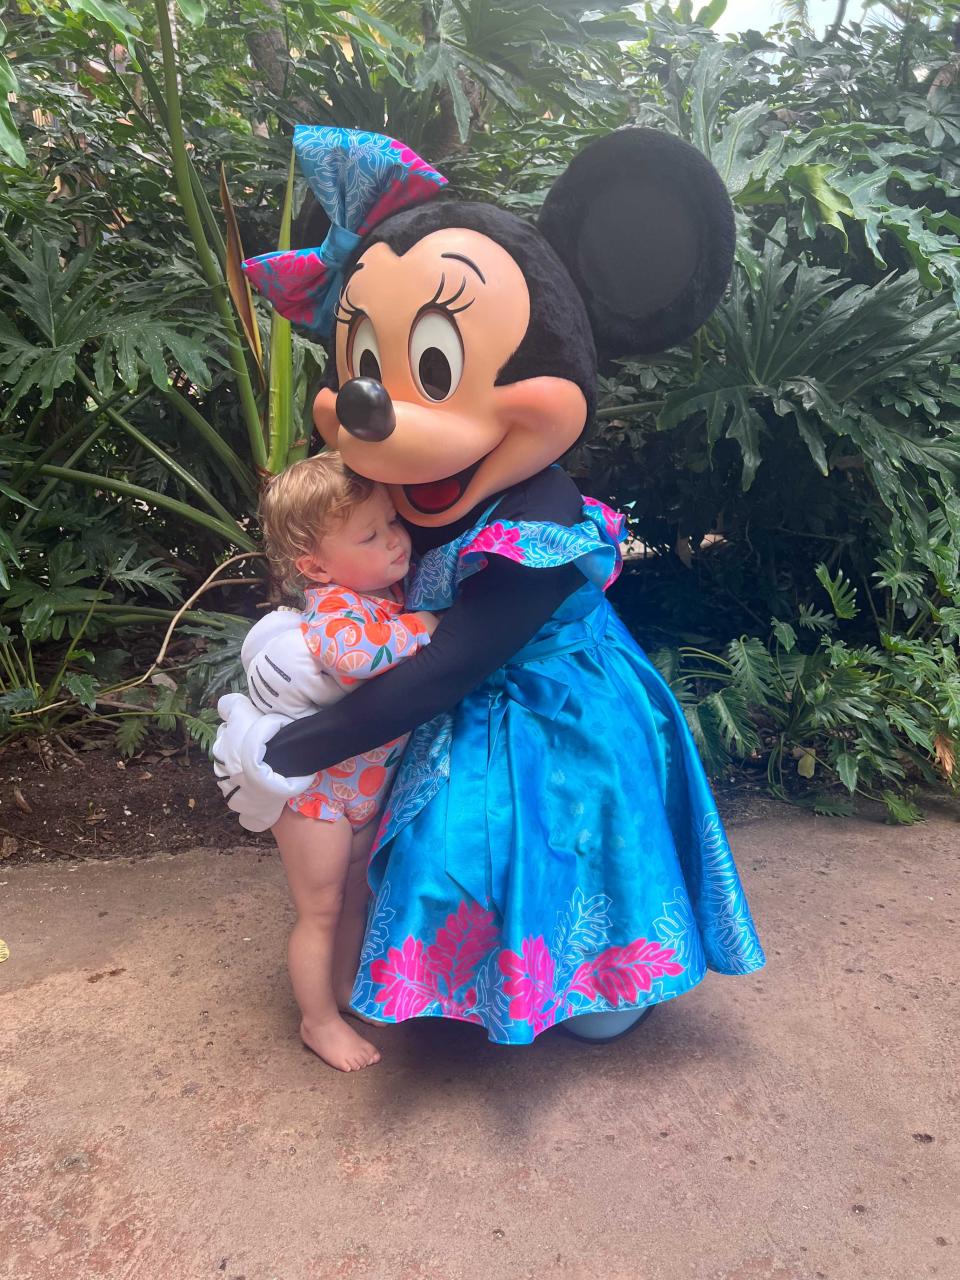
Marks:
<point>99,805</point>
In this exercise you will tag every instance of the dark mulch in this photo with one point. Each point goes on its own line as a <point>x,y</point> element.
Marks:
<point>98,805</point>
<point>95,804</point>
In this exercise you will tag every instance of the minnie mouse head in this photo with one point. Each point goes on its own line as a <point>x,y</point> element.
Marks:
<point>465,341</point>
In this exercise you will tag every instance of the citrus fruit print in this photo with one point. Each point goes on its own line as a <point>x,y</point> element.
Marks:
<point>356,637</point>
<point>377,633</point>
<point>371,780</point>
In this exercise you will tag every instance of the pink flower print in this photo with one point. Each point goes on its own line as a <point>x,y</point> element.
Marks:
<point>406,985</point>
<point>460,945</point>
<point>407,155</point>
<point>613,522</point>
<point>619,974</point>
<point>529,983</point>
<point>498,541</point>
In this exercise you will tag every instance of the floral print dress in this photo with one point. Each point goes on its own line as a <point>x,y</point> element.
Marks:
<point>551,846</point>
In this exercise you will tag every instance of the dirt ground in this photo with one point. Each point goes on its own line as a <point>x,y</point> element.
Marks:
<point>97,804</point>
<point>160,1120</point>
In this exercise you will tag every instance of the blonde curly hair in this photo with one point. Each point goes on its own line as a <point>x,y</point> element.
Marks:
<point>301,505</point>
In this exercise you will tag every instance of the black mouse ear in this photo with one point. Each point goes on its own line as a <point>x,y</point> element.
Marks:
<point>643,223</point>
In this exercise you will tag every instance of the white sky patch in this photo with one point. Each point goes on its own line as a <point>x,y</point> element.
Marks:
<point>758,15</point>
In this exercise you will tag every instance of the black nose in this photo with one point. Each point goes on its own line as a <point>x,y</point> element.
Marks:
<point>364,407</point>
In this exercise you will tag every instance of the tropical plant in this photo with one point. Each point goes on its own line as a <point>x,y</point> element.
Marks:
<point>813,422</point>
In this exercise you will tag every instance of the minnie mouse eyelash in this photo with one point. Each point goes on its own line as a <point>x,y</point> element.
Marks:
<point>445,304</point>
<point>345,310</point>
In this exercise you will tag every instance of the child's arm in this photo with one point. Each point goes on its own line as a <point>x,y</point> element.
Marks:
<point>354,646</point>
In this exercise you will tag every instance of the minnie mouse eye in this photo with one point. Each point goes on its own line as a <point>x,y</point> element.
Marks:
<point>365,351</point>
<point>436,355</point>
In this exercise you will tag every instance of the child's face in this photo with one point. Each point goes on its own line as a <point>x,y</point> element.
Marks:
<point>368,551</point>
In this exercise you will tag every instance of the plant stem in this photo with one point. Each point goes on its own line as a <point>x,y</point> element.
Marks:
<point>51,689</point>
<point>212,437</point>
<point>619,410</point>
<point>231,533</point>
<point>182,474</point>
<point>208,264</point>
<point>280,394</point>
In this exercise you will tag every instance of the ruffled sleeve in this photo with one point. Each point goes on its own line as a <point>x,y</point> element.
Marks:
<point>593,544</point>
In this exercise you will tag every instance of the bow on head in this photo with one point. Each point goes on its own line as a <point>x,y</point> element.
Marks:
<point>360,179</point>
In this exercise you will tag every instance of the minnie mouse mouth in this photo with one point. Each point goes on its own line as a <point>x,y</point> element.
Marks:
<point>438,496</point>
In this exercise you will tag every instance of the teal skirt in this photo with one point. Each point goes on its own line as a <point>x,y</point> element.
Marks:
<point>552,847</point>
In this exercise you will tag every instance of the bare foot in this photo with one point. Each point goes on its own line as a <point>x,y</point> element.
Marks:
<point>339,1045</point>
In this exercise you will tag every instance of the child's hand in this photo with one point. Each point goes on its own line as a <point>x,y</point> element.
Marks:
<point>429,620</point>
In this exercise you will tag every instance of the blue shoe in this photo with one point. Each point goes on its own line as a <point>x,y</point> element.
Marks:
<point>601,1028</point>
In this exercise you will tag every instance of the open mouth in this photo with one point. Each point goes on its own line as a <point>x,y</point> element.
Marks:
<point>438,496</point>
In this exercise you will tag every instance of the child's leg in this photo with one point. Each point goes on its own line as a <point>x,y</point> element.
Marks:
<point>315,857</point>
<point>353,917</point>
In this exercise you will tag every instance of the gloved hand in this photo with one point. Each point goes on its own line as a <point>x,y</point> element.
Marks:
<point>250,787</point>
<point>282,674</point>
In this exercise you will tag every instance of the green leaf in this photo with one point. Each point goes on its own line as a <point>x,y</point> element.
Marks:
<point>728,708</point>
<point>203,728</point>
<point>842,593</point>
<point>831,806</point>
<point>149,575</point>
<point>948,699</point>
<point>195,11</point>
<point>754,671</point>
<point>821,200</point>
<point>847,767</point>
<point>10,143</point>
<point>22,699</point>
<point>710,13</point>
<point>130,734</point>
<point>120,20</point>
<point>901,810</point>
<point>83,687</point>
<point>786,636</point>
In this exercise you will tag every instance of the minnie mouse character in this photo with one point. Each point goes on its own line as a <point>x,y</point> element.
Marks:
<point>551,850</point>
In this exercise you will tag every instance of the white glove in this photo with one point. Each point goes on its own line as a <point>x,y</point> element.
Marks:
<point>250,787</point>
<point>282,674</point>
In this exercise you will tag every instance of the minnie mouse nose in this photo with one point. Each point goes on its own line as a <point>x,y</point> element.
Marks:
<point>365,409</point>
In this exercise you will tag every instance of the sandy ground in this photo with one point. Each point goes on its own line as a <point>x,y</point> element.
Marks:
<point>161,1121</point>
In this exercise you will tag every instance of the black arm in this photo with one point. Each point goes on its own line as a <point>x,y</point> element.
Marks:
<point>497,611</point>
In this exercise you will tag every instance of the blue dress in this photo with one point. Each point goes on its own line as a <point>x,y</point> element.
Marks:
<point>551,846</point>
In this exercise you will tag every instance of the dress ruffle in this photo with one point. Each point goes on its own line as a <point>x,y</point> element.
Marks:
<point>593,545</point>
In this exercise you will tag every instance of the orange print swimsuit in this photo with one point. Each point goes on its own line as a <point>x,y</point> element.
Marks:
<point>355,637</point>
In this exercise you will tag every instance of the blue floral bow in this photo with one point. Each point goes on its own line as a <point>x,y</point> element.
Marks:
<point>359,179</point>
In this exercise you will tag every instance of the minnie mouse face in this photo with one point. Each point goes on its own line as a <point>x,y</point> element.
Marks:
<point>422,335</point>
<point>464,353</point>
<point>433,327</point>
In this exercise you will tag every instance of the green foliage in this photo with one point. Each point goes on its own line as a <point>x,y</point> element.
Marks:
<point>874,720</point>
<point>792,472</point>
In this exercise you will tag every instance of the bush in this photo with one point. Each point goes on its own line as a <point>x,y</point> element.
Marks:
<point>791,473</point>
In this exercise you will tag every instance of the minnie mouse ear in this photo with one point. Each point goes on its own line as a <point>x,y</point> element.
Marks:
<point>643,223</point>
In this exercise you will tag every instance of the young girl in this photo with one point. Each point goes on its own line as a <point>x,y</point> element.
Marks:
<point>337,537</point>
